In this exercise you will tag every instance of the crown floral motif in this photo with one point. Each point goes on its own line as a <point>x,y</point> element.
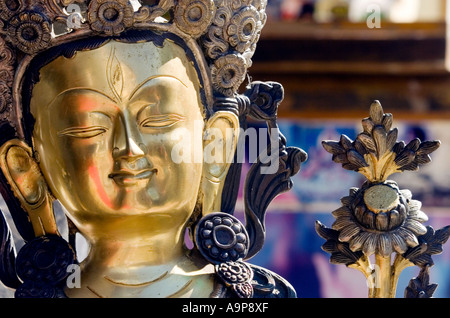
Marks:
<point>226,32</point>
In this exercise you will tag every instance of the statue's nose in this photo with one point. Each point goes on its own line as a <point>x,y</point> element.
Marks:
<point>132,149</point>
<point>128,143</point>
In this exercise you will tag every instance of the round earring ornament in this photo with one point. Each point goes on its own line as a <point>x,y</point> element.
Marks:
<point>223,241</point>
<point>42,266</point>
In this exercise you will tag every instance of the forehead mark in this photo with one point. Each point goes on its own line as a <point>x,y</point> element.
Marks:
<point>114,74</point>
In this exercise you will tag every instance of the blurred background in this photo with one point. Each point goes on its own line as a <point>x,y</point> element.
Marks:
<point>334,57</point>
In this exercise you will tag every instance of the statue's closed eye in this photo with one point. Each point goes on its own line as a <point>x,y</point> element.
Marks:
<point>161,121</point>
<point>83,132</point>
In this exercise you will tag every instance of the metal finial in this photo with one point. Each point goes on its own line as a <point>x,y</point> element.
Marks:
<point>379,218</point>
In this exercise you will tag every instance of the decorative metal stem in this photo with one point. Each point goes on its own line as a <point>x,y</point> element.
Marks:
<point>383,277</point>
<point>400,263</point>
<point>364,266</point>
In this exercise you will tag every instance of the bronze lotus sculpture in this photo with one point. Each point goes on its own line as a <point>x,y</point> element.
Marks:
<point>380,219</point>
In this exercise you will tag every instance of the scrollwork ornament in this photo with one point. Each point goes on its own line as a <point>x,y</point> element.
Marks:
<point>110,17</point>
<point>236,26</point>
<point>238,275</point>
<point>228,73</point>
<point>148,13</point>
<point>194,17</point>
<point>7,59</point>
<point>10,8</point>
<point>265,98</point>
<point>243,29</point>
<point>30,32</point>
<point>5,97</point>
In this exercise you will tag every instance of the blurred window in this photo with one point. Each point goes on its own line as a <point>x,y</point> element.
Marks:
<point>327,11</point>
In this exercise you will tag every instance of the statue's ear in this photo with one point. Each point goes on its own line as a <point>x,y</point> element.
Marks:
<point>28,185</point>
<point>220,141</point>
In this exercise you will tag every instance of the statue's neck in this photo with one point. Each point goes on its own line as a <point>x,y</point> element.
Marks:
<point>134,251</point>
<point>144,267</point>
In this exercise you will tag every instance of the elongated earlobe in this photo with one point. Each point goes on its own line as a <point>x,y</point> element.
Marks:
<point>220,142</point>
<point>28,185</point>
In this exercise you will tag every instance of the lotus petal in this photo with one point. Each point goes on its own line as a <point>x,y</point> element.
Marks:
<point>333,147</point>
<point>395,219</point>
<point>380,137</point>
<point>359,212</point>
<point>399,243</point>
<point>387,121</point>
<point>413,166</point>
<point>358,241</point>
<point>353,191</point>
<point>343,211</point>
<point>406,193</point>
<point>415,226</point>
<point>414,205</point>
<point>360,147</point>
<point>340,158</point>
<point>369,219</point>
<point>428,147</point>
<point>355,158</point>
<point>347,200</point>
<point>349,232</point>
<point>398,147</point>
<point>418,215</point>
<point>413,145</point>
<point>408,236</point>
<point>350,166</point>
<point>367,141</point>
<point>382,221</point>
<point>346,142</point>
<point>384,245</point>
<point>423,159</point>
<point>405,157</point>
<point>368,125</point>
<point>370,244</point>
<point>391,139</point>
<point>376,112</point>
<point>342,222</point>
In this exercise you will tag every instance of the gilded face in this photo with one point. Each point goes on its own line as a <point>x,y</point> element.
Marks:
<point>107,121</point>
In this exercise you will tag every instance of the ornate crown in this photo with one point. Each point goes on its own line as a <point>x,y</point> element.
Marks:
<point>225,33</point>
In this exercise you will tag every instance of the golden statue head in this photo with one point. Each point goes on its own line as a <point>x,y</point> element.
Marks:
<point>131,122</point>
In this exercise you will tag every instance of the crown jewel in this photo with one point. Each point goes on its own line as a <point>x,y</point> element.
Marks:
<point>226,32</point>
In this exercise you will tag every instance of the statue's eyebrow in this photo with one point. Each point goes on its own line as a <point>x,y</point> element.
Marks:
<point>151,78</point>
<point>73,89</point>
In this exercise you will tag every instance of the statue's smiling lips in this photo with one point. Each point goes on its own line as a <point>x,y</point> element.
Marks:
<point>130,177</point>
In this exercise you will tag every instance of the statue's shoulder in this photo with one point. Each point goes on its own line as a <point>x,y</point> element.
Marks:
<point>267,284</point>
